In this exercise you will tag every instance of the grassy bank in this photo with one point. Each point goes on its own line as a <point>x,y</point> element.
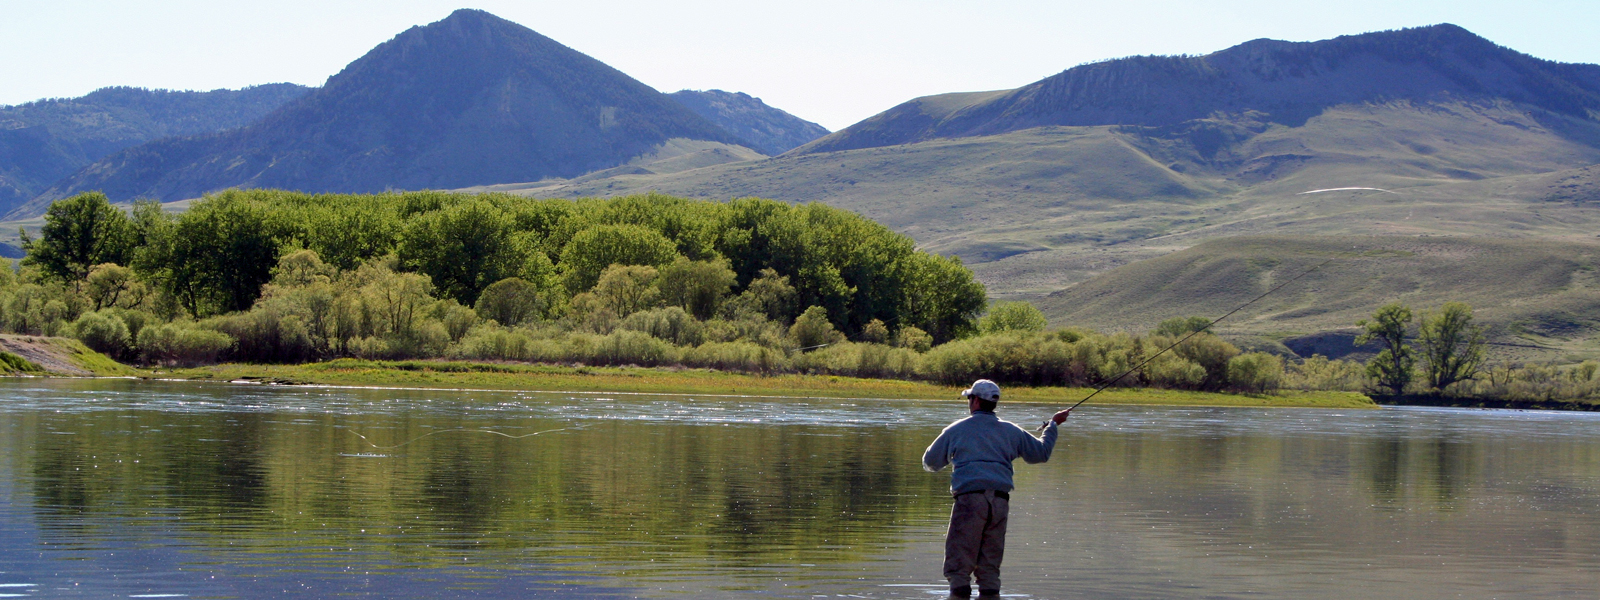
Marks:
<point>516,376</point>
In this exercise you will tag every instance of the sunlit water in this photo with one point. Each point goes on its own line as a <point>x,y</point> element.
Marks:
<point>116,488</point>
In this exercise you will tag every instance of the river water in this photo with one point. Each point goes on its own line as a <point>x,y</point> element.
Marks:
<point>119,488</point>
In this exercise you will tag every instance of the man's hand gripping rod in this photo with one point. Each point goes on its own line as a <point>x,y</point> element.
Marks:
<point>1196,332</point>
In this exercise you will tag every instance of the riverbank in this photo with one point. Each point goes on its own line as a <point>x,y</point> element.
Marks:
<point>561,378</point>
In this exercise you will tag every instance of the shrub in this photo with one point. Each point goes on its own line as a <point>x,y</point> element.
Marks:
<point>624,347</point>
<point>1012,316</point>
<point>181,344</point>
<point>1011,357</point>
<point>736,356</point>
<point>671,324</point>
<point>812,329</point>
<point>1319,373</point>
<point>264,336</point>
<point>859,360</point>
<point>875,332</point>
<point>1255,372</point>
<point>913,339</point>
<point>103,333</point>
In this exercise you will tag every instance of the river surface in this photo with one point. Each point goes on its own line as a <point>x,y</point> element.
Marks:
<point>132,489</point>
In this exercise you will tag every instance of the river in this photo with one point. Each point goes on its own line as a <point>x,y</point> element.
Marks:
<point>138,489</point>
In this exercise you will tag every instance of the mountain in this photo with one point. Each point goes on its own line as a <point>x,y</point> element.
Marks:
<point>1278,82</point>
<point>46,140</point>
<point>469,100</point>
<point>1041,208</point>
<point>772,131</point>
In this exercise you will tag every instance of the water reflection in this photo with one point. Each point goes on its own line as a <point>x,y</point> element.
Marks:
<point>115,487</point>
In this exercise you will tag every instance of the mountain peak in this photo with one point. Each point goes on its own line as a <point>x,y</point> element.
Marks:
<point>471,99</point>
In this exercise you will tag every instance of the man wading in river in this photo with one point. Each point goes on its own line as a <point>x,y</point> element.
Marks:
<point>982,447</point>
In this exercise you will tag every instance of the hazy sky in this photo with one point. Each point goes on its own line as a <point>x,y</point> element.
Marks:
<point>833,62</point>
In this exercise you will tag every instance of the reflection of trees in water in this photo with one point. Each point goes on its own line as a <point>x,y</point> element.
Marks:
<point>1437,468</point>
<point>618,489</point>
<point>101,463</point>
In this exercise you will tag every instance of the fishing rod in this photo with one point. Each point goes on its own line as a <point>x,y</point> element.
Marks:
<point>1196,332</point>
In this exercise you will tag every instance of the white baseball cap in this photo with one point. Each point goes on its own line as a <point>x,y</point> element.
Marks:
<point>983,389</point>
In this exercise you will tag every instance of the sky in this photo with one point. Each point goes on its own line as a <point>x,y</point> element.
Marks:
<point>832,62</point>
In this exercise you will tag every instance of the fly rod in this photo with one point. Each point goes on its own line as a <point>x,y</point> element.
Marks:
<point>1196,332</point>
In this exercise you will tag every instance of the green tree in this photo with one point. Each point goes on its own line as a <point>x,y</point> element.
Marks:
<point>1452,346</point>
<point>769,296</point>
<point>944,298</point>
<point>511,302</point>
<point>627,289</point>
<point>1012,316</point>
<point>1393,366</point>
<point>595,249</point>
<point>698,286</point>
<point>114,286</point>
<point>78,233</point>
<point>219,253</point>
<point>467,246</point>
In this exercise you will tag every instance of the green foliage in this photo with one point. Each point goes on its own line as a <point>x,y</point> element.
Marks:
<point>181,344</point>
<point>1392,367</point>
<point>1320,373</point>
<point>698,286</point>
<point>16,364</point>
<point>1255,372</point>
<point>597,248</point>
<point>860,360</point>
<point>627,289</point>
<point>812,329</point>
<point>103,333</point>
<point>769,295</point>
<point>467,246</point>
<point>1012,316</point>
<point>219,253</point>
<point>1178,327</point>
<point>913,338</point>
<point>1452,346</point>
<point>875,332</point>
<point>671,324</point>
<point>78,233</point>
<point>511,301</point>
<point>1209,352</point>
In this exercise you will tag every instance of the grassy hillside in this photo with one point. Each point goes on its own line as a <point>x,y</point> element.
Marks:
<point>1037,210</point>
<point>1540,299</point>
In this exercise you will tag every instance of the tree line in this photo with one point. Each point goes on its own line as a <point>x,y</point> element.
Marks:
<point>750,285</point>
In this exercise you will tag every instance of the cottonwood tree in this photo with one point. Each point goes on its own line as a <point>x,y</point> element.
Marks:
<point>1392,367</point>
<point>78,233</point>
<point>1452,346</point>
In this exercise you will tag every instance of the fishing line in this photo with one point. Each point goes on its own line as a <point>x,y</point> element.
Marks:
<point>1196,332</point>
<point>434,433</point>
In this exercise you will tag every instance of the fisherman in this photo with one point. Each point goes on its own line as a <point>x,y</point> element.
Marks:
<point>982,447</point>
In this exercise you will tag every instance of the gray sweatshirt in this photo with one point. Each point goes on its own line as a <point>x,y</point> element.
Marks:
<point>982,447</point>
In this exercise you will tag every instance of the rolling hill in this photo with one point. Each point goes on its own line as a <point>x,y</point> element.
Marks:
<point>472,99</point>
<point>46,140</point>
<point>1540,299</point>
<point>1277,82</point>
<point>769,130</point>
